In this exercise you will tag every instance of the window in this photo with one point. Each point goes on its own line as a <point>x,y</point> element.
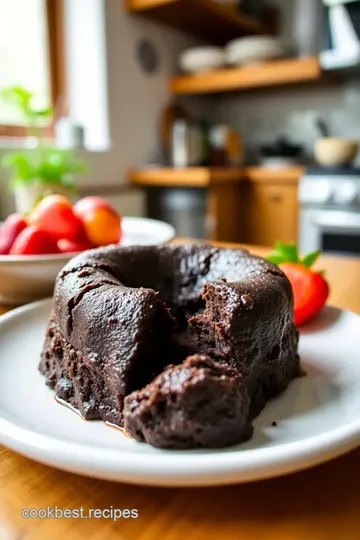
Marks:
<point>31,54</point>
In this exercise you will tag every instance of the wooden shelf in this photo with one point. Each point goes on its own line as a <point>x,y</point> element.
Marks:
<point>190,177</point>
<point>279,72</point>
<point>202,18</point>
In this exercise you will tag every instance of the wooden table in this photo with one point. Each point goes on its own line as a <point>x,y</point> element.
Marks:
<point>319,504</point>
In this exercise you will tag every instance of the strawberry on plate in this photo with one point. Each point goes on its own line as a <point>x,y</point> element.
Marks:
<point>310,288</point>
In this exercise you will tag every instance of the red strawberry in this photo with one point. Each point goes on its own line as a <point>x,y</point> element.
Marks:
<point>310,288</point>
<point>67,246</point>
<point>12,227</point>
<point>34,241</point>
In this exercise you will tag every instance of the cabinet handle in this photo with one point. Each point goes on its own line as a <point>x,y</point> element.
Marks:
<point>275,196</point>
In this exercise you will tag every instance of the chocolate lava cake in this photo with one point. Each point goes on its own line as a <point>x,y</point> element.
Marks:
<point>122,315</point>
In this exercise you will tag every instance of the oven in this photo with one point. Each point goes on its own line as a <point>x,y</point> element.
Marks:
<point>331,230</point>
<point>330,211</point>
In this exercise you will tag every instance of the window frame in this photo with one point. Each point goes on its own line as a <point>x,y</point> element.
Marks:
<point>57,66</point>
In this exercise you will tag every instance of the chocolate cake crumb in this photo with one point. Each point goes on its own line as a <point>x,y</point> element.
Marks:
<point>247,301</point>
<point>197,404</point>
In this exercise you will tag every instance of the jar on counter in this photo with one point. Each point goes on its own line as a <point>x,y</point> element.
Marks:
<point>218,144</point>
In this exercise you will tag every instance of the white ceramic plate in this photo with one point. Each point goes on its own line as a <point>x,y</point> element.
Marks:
<point>253,49</point>
<point>318,417</point>
<point>201,59</point>
<point>25,278</point>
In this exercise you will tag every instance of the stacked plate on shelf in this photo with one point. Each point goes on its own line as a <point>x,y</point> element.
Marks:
<point>253,50</point>
<point>238,52</point>
<point>201,59</point>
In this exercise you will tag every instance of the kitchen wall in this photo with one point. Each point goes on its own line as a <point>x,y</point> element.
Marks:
<point>135,99</point>
<point>261,115</point>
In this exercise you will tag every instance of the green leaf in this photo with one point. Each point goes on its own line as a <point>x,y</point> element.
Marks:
<point>21,163</point>
<point>18,97</point>
<point>22,99</point>
<point>289,252</point>
<point>43,164</point>
<point>276,258</point>
<point>43,113</point>
<point>15,95</point>
<point>311,258</point>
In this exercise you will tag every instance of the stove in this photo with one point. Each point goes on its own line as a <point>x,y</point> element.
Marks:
<point>330,211</point>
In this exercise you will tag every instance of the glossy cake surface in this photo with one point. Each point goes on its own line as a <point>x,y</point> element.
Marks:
<point>121,315</point>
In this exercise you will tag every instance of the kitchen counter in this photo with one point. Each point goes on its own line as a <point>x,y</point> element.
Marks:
<point>258,205</point>
<point>316,504</point>
<point>207,176</point>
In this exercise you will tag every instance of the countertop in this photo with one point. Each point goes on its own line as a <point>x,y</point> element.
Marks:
<point>318,504</point>
<point>209,176</point>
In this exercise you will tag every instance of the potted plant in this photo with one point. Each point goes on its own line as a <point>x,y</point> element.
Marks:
<point>43,169</point>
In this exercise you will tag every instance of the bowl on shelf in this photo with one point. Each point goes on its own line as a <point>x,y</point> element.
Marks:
<point>333,152</point>
<point>253,50</point>
<point>201,59</point>
<point>25,278</point>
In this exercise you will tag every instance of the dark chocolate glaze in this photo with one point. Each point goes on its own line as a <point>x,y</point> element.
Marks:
<point>122,314</point>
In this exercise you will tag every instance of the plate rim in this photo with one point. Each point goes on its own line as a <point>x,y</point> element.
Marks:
<point>205,468</point>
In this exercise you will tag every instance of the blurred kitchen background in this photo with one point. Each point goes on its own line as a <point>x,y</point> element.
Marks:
<point>247,140</point>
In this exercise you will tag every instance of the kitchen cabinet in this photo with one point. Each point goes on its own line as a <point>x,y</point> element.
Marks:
<point>223,191</point>
<point>272,208</point>
<point>251,205</point>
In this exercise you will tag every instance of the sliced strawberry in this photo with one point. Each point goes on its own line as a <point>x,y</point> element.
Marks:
<point>310,289</point>
<point>11,228</point>
<point>34,241</point>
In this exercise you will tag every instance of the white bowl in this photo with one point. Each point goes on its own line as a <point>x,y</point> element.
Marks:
<point>200,59</point>
<point>250,50</point>
<point>25,278</point>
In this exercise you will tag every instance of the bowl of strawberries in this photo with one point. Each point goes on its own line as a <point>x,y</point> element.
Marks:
<point>34,248</point>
